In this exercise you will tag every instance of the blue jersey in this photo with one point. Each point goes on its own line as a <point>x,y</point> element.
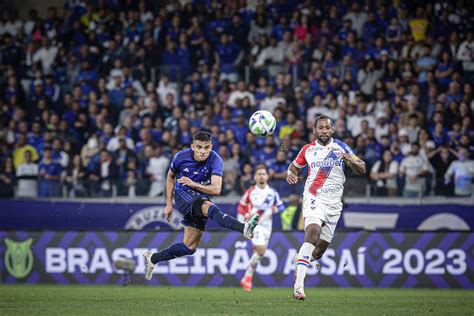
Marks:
<point>184,165</point>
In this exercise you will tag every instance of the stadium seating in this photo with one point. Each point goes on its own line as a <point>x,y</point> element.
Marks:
<point>96,100</point>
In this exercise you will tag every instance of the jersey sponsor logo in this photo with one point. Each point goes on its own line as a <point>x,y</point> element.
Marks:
<point>329,191</point>
<point>327,163</point>
<point>323,172</point>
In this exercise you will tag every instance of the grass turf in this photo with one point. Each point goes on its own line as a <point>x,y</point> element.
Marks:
<point>141,300</point>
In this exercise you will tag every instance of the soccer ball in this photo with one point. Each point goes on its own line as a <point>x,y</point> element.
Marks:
<point>262,123</point>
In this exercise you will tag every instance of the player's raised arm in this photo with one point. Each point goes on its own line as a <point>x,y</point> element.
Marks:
<point>213,189</point>
<point>355,163</point>
<point>170,183</point>
<point>296,165</point>
<point>292,174</point>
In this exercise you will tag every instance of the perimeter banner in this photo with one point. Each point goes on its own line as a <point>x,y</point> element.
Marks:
<point>108,216</point>
<point>354,259</point>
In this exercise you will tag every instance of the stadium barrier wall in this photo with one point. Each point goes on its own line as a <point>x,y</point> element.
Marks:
<point>399,214</point>
<point>354,259</point>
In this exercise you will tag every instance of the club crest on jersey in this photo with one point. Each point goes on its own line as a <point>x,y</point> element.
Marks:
<point>337,152</point>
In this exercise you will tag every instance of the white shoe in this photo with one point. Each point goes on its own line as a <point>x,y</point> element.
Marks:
<point>298,294</point>
<point>250,226</point>
<point>149,266</point>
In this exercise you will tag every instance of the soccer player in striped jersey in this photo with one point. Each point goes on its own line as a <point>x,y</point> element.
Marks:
<point>265,200</point>
<point>195,176</point>
<point>322,205</point>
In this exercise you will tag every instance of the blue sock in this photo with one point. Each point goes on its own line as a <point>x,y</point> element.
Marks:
<point>174,251</point>
<point>225,220</point>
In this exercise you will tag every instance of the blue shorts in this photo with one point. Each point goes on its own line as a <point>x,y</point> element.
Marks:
<point>189,203</point>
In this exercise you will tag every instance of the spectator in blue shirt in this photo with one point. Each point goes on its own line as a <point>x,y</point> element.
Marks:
<point>424,64</point>
<point>282,27</point>
<point>393,33</point>
<point>278,170</point>
<point>370,29</point>
<point>49,176</point>
<point>172,61</point>
<point>117,94</point>
<point>344,31</point>
<point>35,138</point>
<point>444,70</point>
<point>229,56</point>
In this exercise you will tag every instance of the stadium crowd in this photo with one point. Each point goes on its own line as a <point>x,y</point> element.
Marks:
<point>97,96</point>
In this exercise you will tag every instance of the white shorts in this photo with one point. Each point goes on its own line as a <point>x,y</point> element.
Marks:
<point>327,215</point>
<point>261,236</point>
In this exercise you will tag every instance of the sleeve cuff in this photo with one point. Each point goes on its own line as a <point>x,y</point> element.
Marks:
<point>297,165</point>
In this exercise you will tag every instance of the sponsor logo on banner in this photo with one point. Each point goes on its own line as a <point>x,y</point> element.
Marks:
<point>18,257</point>
<point>150,215</point>
<point>355,259</point>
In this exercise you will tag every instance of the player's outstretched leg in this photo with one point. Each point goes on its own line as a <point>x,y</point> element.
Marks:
<point>191,239</point>
<point>230,222</point>
<point>312,232</point>
<point>174,251</point>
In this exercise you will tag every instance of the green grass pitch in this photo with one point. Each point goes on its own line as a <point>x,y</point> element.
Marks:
<point>142,300</point>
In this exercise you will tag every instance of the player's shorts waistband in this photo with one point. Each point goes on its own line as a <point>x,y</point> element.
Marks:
<point>189,195</point>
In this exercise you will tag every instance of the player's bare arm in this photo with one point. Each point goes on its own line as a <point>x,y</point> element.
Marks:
<point>292,174</point>
<point>213,189</point>
<point>355,163</point>
<point>170,183</point>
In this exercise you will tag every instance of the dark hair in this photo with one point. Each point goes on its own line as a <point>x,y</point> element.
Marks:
<point>202,136</point>
<point>260,166</point>
<point>321,117</point>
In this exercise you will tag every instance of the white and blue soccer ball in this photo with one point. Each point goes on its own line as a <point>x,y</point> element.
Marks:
<point>262,123</point>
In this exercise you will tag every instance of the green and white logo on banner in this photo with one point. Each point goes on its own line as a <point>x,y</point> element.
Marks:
<point>19,257</point>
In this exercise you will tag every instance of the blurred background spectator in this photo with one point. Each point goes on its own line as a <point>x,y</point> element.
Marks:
<point>102,94</point>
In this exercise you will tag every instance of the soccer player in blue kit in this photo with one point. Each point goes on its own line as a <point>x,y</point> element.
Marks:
<point>195,175</point>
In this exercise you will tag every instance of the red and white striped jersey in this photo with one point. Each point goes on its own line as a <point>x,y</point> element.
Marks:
<point>257,199</point>
<point>325,170</point>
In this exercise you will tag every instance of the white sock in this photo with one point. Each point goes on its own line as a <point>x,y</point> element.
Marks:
<point>304,256</point>
<point>254,260</point>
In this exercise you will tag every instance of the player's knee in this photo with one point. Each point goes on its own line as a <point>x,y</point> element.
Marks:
<point>311,236</point>
<point>200,208</point>
<point>205,207</point>
<point>260,251</point>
